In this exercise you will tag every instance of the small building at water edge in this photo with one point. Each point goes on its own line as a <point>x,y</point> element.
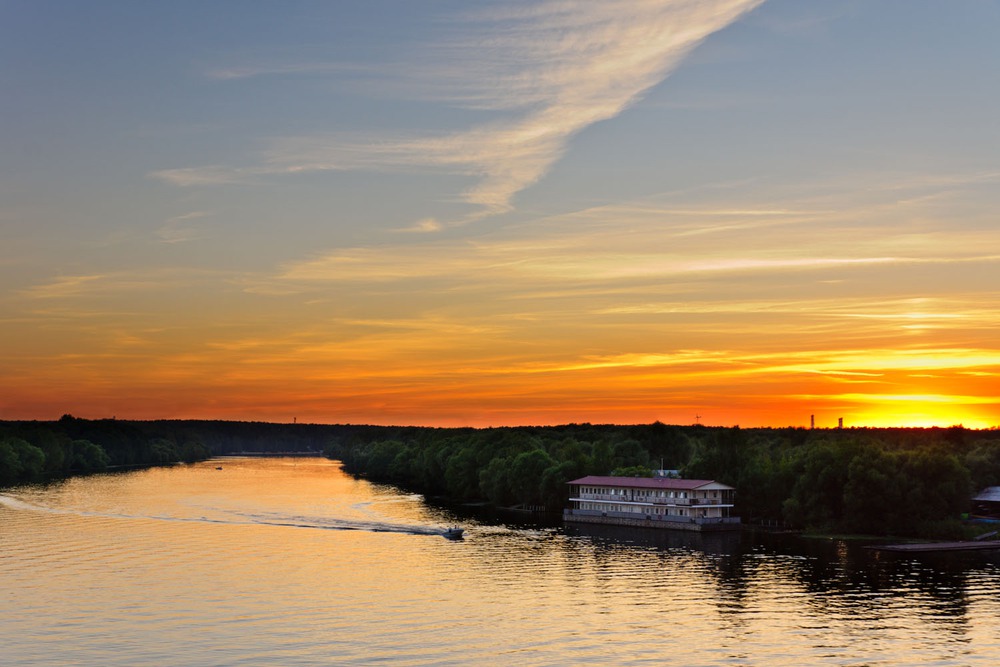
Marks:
<point>652,502</point>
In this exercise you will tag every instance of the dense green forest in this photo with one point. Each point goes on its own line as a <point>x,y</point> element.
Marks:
<point>38,450</point>
<point>876,481</point>
<point>33,450</point>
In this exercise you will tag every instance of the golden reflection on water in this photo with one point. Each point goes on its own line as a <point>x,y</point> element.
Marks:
<point>289,561</point>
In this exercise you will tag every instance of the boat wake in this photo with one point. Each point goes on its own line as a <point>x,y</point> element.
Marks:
<point>241,519</point>
<point>15,504</point>
<point>336,523</point>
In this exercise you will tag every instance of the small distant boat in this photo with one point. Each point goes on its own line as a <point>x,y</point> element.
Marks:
<point>453,533</point>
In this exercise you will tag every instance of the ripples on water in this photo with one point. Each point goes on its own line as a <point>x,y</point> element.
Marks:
<point>290,562</point>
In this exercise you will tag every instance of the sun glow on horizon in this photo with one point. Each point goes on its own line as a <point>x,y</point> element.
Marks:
<point>927,411</point>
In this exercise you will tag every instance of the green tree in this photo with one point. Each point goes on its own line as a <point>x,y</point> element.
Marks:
<point>10,463</point>
<point>941,486</point>
<point>602,458</point>
<point>161,450</point>
<point>194,450</point>
<point>88,457</point>
<point>461,475</point>
<point>402,469</point>
<point>31,459</point>
<point>494,481</point>
<point>380,457</point>
<point>874,494</point>
<point>818,496</point>
<point>553,485</point>
<point>629,453</point>
<point>527,471</point>
<point>983,464</point>
<point>19,459</point>
<point>633,471</point>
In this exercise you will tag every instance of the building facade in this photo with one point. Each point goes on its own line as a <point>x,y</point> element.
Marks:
<point>655,502</point>
<point>986,505</point>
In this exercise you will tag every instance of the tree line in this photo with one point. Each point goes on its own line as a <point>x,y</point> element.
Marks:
<point>876,481</point>
<point>35,450</point>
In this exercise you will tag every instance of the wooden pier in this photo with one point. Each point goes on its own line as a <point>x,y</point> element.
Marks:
<point>927,547</point>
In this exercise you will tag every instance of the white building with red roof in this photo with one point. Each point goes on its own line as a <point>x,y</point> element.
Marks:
<point>655,502</point>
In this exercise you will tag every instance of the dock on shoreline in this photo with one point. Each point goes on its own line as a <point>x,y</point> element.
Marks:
<point>926,547</point>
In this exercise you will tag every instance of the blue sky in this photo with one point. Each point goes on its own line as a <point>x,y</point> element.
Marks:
<point>555,211</point>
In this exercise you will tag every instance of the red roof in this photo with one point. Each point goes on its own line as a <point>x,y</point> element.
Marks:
<point>647,482</point>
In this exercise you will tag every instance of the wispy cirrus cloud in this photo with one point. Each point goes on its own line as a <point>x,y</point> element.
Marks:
<point>664,244</point>
<point>425,226</point>
<point>181,228</point>
<point>208,175</point>
<point>306,68</point>
<point>562,66</point>
<point>148,280</point>
<point>65,286</point>
<point>551,69</point>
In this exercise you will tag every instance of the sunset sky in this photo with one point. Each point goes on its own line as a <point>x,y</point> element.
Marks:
<point>449,213</point>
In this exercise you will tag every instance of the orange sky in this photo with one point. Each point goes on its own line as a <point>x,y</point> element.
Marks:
<point>539,331</point>
<point>732,212</point>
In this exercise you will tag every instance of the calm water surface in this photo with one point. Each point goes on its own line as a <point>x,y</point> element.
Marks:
<point>291,562</point>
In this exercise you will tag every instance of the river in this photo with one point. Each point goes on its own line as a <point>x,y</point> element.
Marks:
<point>288,561</point>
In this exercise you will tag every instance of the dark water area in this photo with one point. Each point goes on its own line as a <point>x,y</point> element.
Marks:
<point>287,561</point>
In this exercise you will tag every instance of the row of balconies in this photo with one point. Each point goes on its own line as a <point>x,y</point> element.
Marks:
<point>658,501</point>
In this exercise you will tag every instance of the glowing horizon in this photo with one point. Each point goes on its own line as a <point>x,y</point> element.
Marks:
<point>731,212</point>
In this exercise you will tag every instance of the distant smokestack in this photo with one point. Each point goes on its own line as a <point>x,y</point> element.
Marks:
<point>840,422</point>
<point>812,421</point>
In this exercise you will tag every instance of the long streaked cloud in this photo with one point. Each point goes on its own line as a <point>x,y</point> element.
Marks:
<point>456,260</point>
<point>210,175</point>
<point>302,68</point>
<point>554,68</point>
<point>181,228</point>
<point>65,286</point>
<point>661,244</point>
<point>149,280</point>
<point>736,362</point>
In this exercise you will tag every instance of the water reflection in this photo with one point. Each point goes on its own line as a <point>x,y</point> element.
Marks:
<point>292,562</point>
<point>821,588</point>
<point>719,543</point>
